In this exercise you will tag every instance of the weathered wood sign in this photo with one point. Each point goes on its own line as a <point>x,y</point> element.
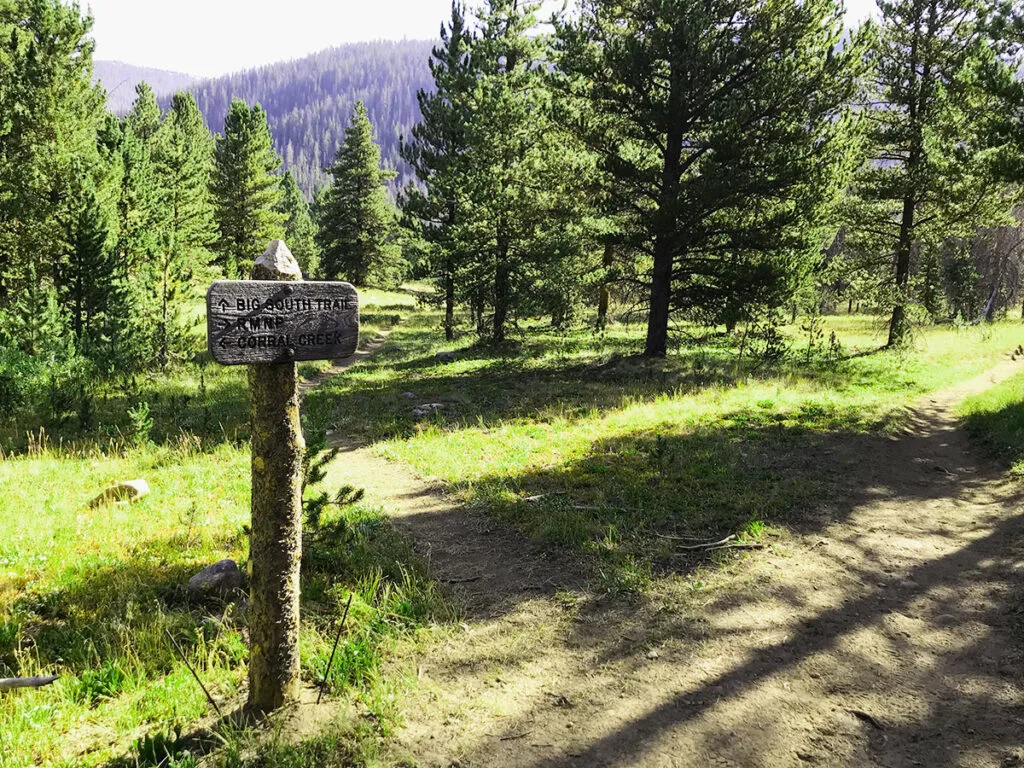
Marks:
<point>266,321</point>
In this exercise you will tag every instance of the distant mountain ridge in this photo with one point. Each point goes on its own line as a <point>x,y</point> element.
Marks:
<point>309,100</point>
<point>120,80</point>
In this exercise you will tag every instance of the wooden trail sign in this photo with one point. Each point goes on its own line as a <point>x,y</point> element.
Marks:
<point>265,321</point>
<point>269,323</point>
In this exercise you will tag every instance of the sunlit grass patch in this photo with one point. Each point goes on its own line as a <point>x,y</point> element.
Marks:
<point>620,449</point>
<point>996,418</point>
<point>88,593</point>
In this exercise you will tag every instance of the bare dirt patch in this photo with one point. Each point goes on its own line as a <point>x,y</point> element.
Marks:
<point>887,631</point>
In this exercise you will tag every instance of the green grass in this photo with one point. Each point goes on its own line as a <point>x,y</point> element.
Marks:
<point>569,436</point>
<point>86,594</point>
<point>602,454</point>
<point>996,417</point>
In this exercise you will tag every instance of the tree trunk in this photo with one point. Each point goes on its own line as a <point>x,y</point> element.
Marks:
<point>665,227</point>
<point>661,294</point>
<point>275,542</point>
<point>605,296</point>
<point>899,325</point>
<point>162,357</point>
<point>993,299</point>
<point>449,306</point>
<point>501,299</point>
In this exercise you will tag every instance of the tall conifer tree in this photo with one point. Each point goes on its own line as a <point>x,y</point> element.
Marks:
<point>245,190</point>
<point>357,219</point>
<point>299,229</point>
<point>183,157</point>
<point>88,279</point>
<point>144,118</point>
<point>436,153</point>
<point>519,225</point>
<point>926,178</point>
<point>719,121</point>
<point>49,115</point>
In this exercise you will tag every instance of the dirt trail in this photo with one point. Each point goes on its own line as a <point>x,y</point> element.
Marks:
<point>888,634</point>
<point>337,366</point>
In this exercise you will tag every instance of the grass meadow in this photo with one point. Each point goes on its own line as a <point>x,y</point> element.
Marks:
<point>568,435</point>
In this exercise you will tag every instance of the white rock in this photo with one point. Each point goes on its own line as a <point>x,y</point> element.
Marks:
<point>129,490</point>
<point>276,262</point>
<point>427,409</point>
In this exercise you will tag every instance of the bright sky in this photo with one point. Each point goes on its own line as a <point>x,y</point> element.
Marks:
<point>213,37</point>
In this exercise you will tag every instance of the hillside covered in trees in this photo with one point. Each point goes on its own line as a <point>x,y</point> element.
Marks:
<point>308,101</point>
<point>120,79</point>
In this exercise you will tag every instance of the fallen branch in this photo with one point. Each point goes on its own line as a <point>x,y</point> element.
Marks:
<point>676,538</point>
<point>542,496</point>
<point>462,581</point>
<point>742,545</point>
<point>710,544</point>
<point>516,736</point>
<point>10,683</point>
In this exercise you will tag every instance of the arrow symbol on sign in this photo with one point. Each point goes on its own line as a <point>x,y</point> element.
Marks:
<point>223,304</point>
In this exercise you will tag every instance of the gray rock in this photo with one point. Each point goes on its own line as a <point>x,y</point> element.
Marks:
<point>445,357</point>
<point>221,580</point>
<point>427,409</point>
<point>129,490</point>
<point>276,263</point>
<point>408,395</point>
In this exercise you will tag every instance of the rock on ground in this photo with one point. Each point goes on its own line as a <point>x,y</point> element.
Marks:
<point>129,490</point>
<point>221,580</point>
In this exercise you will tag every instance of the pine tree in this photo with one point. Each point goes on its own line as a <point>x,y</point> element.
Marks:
<point>357,219</point>
<point>518,173</point>
<point>299,229</point>
<point>926,178</point>
<point>144,117</point>
<point>183,158</point>
<point>436,153</point>
<point>245,190</point>
<point>720,122</point>
<point>49,116</point>
<point>87,278</point>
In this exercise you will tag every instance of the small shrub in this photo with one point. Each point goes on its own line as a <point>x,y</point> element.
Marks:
<point>102,682</point>
<point>141,424</point>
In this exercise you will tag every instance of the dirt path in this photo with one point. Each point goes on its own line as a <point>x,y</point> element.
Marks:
<point>889,634</point>
<point>338,366</point>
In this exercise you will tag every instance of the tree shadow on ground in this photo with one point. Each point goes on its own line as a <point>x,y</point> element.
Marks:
<point>103,628</point>
<point>964,700</point>
<point>101,616</point>
<point>866,643</point>
<point>486,385</point>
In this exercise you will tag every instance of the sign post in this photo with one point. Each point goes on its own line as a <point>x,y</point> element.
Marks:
<point>269,323</point>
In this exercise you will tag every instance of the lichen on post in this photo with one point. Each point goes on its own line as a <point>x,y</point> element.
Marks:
<point>275,541</point>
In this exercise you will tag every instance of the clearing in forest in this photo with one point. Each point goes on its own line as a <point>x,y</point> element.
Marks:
<point>531,586</point>
<point>874,621</point>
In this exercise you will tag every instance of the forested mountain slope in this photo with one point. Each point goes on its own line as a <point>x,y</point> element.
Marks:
<point>120,80</point>
<point>309,101</point>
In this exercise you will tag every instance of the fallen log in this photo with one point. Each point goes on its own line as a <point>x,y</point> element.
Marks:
<point>10,683</point>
